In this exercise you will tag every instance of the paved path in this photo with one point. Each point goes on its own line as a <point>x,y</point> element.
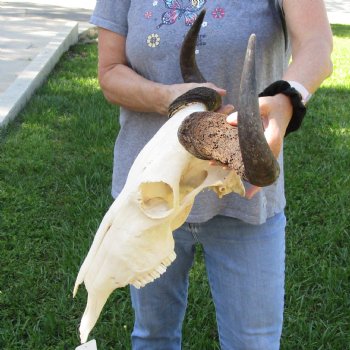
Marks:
<point>338,11</point>
<point>27,27</point>
<point>35,33</point>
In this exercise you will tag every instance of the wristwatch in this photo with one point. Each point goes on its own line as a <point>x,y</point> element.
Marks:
<point>304,93</point>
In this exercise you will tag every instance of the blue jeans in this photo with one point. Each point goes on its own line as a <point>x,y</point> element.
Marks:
<point>245,267</point>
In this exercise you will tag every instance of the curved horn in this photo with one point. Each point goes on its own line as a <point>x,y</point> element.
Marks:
<point>189,70</point>
<point>261,167</point>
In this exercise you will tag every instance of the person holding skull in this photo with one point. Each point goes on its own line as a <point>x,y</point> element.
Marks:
<point>243,239</point>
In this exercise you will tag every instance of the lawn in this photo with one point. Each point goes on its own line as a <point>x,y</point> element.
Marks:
<point>55,174</point>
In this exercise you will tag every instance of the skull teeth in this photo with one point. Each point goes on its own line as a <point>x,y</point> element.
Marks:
<point>141,281</point>
<point>155,274</point>
<point>161,269</point>
<point>137,284</point>
<point>172,256</point>
<point>167,261</point>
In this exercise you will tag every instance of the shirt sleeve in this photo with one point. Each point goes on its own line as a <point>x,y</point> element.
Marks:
<point>280,4</point>
<point>111,15</point>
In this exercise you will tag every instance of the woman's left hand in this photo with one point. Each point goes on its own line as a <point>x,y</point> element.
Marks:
<point>276,112</point>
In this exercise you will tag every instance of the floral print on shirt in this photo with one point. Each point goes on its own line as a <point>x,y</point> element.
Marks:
<point>153,40</point>
<point>218,13</point>
<point>180,11</point>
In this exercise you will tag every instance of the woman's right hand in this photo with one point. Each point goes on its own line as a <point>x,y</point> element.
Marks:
<point>123,86</point>
<point>175,90</point>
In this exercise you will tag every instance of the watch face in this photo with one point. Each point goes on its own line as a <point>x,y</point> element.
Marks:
<point>304,93</point>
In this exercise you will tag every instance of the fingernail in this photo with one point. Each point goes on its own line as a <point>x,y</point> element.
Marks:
<point>232,117</point>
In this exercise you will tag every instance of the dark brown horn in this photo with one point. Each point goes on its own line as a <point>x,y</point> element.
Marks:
<point>261,167</point>
<point>189,70</point>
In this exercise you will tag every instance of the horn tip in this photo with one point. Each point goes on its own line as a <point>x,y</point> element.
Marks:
<point>200,17</point>
<point>252,41</point>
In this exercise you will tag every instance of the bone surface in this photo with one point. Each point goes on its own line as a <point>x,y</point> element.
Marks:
<point>134,243</point>
<point>207,135</point>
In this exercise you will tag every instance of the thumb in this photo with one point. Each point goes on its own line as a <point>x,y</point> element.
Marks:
<point>273,139</point>
<point>220,91</point>
<point>226,109</point>
<point>232,119</point>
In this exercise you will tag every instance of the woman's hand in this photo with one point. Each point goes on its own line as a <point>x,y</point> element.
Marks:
<point>123,86</point>
<point>276,112</point>
<point>175,90</point>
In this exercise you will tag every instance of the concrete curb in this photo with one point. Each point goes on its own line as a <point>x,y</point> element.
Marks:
<point>14,98</point>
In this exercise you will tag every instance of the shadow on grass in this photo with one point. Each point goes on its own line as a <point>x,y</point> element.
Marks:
<point>341,30</point>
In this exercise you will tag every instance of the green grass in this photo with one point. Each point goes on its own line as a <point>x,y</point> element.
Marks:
<point>318,186</point>
<point>55,174</point>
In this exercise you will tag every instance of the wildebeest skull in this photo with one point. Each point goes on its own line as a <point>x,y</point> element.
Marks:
<point>134,243</point>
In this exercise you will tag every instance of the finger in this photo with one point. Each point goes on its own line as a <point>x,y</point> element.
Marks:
<point>232,118</point>
<point>220,91</point>
<point>273,138</point>
<point>265,108</point>
<point>264,105</point>
<point>252,191</point>
<point>226,109</point>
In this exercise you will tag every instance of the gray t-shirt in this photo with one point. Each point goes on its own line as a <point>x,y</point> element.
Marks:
<point>154,31</point>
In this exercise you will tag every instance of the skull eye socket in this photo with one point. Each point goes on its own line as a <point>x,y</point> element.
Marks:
<point>191,179</point>
<point>156,199</point>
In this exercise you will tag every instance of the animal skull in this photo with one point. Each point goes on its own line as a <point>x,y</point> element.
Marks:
<point>134,243</point>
